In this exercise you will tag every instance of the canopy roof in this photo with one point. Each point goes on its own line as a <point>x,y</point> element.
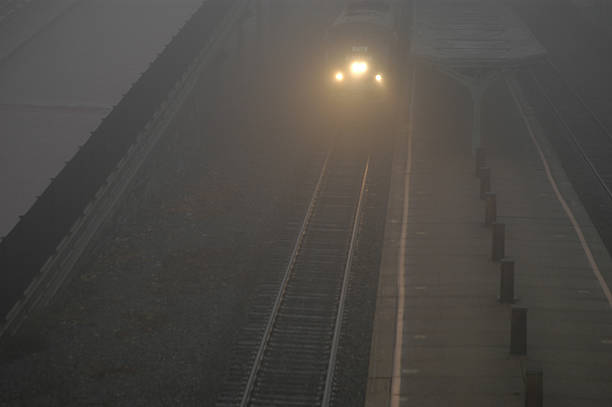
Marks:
<point>471,34</point>
<point>366,12</point>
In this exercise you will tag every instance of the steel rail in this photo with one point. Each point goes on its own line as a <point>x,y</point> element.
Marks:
<point>288,271</point>
<point>571,134</point>
<point>271,327</point>
<point>329,381</point>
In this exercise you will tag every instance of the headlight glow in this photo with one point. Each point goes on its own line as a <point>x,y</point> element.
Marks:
<point>378,77</point>
<point>339,76</point>
<point>359,67</point>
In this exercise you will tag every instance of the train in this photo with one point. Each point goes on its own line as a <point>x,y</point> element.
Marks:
<point>362,46</point>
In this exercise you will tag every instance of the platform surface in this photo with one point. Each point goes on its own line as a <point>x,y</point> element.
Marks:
<point>454,334</point>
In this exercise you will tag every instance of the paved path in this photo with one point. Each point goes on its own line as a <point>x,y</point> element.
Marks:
<point>563,281</point>
<point>438,277</point>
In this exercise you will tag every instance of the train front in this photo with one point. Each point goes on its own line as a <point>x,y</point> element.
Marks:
<point>360,49</point>
<point>359,71</point>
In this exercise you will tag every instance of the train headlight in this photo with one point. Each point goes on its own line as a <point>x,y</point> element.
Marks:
<point>359,67</point>
<point>339,76</point>
<point>378,77</point>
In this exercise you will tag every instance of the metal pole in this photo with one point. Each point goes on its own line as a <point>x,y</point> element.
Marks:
<point>506,281</point>
<point>518,331</point>
<point>479,160</point>
<point>485,182</point>
<point>534,394</point>
<point>499,241</point>
<point>476,102</point>
<point>490,208</point>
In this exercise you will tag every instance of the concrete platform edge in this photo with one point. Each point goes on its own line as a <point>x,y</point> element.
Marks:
<point>380,373</point>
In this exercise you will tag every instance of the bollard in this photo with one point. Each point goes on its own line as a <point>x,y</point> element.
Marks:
<point>485,181</point>
<point>499,241</point>
<point>518,331</point>
<point>479,161</point>
<point>506,285</point>
<point>534,394</point>
<point>490,208</point>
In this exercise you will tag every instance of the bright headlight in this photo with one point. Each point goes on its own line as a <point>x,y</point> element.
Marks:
<point>359,67</point>
<point>339,76</point>
<point>378,77</point>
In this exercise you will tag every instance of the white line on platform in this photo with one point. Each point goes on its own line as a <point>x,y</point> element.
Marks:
<point>396,381</point>
<point>566,208</point>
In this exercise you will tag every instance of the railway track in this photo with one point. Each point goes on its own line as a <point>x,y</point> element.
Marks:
<point>580,138</point>
<point>292,343</point>
<point>588,134</point>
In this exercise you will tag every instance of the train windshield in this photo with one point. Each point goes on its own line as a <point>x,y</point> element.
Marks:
<point>359,41</point>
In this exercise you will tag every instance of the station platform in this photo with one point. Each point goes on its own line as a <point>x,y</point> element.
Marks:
<point>441,336</point>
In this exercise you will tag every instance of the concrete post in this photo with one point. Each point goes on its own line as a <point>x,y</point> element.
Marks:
<point>499,241</point>
<point>485,181</point>
<point>490,208</point>
<point>479,160</point>
<point>477,91</point>
<point>534,395</point>
<point>518,331</point>
<point>506,285</point>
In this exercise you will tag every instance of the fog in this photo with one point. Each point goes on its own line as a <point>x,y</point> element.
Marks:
<point>63,66</point>
<point>284,208</point>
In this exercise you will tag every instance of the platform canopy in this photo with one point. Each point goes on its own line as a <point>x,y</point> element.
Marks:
<point>474,41</point>
<point>370,12</point>
<point>471,34</point>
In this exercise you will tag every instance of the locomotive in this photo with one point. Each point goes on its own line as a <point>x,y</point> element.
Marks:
<point>361,48</point>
